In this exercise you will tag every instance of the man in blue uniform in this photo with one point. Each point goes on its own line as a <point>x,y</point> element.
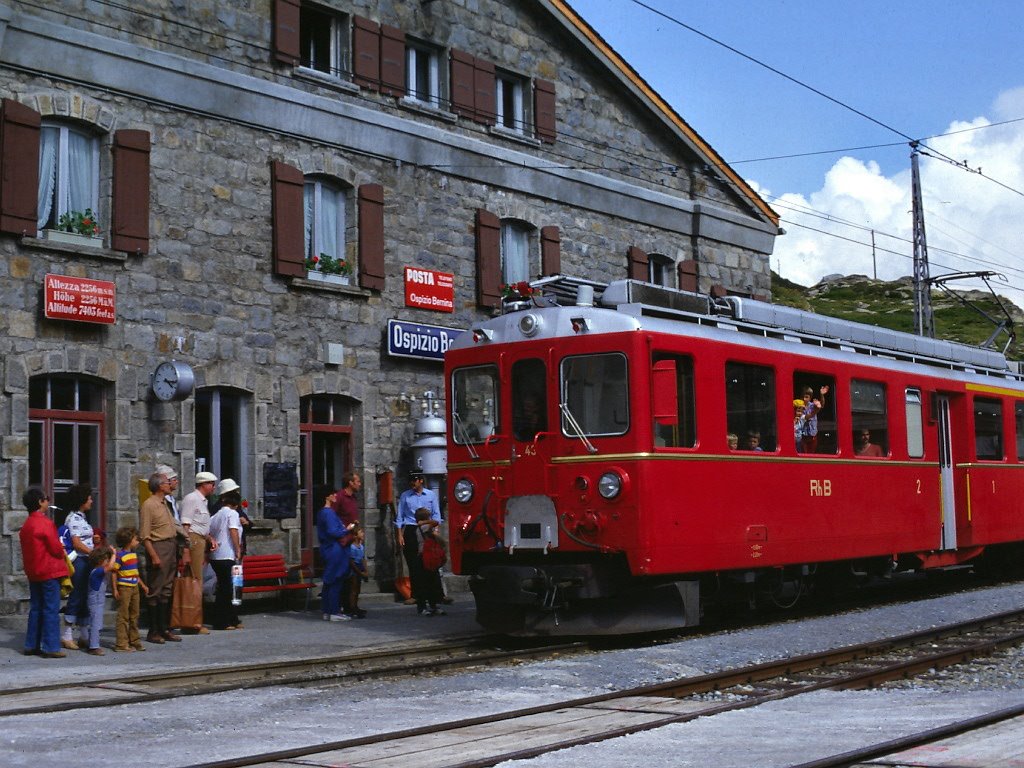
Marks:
<point>417,497</point>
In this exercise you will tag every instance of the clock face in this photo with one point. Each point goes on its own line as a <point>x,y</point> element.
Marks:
<point>172,381</point>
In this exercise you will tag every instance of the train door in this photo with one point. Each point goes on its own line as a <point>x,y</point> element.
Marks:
<point>531,439</point>
<point>946,485</point>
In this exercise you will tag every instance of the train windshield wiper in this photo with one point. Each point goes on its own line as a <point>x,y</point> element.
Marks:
<point>460,430</point>
<point>574,426</point>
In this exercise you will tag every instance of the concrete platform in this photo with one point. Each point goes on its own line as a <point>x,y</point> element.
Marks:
<point>268,634</point>
<point>997,746</point>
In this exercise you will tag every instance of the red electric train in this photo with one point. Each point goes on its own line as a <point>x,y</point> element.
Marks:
<point>619,455</point>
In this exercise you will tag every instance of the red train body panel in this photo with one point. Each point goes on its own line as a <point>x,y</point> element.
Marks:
<point>622,482</point>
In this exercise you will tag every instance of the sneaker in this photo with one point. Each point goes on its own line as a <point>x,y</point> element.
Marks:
<point>439,612</point>
<point>339,617</point>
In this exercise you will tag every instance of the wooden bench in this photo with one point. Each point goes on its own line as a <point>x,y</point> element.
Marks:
<point>268,573</point>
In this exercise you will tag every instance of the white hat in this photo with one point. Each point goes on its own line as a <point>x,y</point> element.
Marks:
<point>226,485</point>
<point>167,471</point>
<point>205,477</point>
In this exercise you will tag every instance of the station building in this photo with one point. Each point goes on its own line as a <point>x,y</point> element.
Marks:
<point>287,207</point>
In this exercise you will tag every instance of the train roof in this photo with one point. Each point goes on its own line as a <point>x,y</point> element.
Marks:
<point>639,305</point>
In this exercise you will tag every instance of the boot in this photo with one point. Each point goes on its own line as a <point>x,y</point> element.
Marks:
<point>166,624</point>
<point>155,635</point>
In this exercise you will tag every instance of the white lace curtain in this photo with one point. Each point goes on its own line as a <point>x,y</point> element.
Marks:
<point>324,220</point>
<point>67,173</point>
<point>515,252</point>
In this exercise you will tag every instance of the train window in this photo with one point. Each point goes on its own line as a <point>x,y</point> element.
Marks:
<point>815,427</point>
<point>1018,415</point>
<point>750,405</point>
<point>529,399</point>
<point>595,391</point>
<point>870,424</point>
<point>915,424</point>
<point>475,394</point>
<point>682,434</point>
<point>988,428</point>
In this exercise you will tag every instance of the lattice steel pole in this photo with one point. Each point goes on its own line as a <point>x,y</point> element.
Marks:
<point>924,323</point>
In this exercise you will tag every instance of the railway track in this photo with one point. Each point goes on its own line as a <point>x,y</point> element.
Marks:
<point>525,733</point>
<point>397,660</point>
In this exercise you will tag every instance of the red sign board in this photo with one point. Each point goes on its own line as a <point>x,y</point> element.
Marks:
<point>78,298</point>
<point>429,289</point>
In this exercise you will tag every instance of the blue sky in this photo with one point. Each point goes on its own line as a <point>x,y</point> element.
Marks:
<point>922,68</point>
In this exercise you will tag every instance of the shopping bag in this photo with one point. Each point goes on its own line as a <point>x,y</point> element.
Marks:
<point>403,586</point>
<point>187,602</point>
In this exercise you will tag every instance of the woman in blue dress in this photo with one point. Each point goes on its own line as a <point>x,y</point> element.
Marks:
<point>334,539</point>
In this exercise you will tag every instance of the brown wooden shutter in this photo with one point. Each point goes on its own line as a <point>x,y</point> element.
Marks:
<point>287,48</point>
<point>718,291</point>
<point>371,236</point>
<point>392,61</point>
<point>688,275</point>
<point>544,110</point>
<point>366,52</point>
<point>550,251</point>
<point>129,219</point>
<point>288,225</point>
<point>488,259</point>
<point>19,168</point>
<point>462,83</point>
<point>637,269</point>
<point>484,88</point>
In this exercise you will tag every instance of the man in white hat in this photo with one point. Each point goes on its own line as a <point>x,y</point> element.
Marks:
<point>195,520</point>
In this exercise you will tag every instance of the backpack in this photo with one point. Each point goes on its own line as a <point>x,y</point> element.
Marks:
<point>433,554</point>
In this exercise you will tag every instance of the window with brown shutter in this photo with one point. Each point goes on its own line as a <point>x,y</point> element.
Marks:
<point>550,251</point>
<point>637,263</point>
<point>371,236</point>
<point>286,31</point>
<point>19,168</point>
<point>366,44</point>
<point>484,92</point>
<point>463,89</point>
<point>688,275</point>
<point>392,61</point>
<point>129,220</point>
<point>544,110</point>
<point>287,217</point>
<point>488,259</point>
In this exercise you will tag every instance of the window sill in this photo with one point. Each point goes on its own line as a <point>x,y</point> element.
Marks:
<point>424,108</point>
<point>322,78</point>
<point>353,291</point>
<point>103,253</point>
<point>508,133</point>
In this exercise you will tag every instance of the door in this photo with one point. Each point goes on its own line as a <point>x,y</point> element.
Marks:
<point>531,421</point>
<point>946,485</point>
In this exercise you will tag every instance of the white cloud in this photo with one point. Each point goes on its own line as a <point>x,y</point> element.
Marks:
<point>966,214</point>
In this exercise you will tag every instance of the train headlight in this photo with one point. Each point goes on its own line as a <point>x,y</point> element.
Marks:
<point>610,485</point>
<point>529,324</point>
<point>463,490</point>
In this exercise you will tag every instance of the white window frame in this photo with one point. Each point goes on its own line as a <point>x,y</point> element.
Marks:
<point>60,196</point>
<point>515,244</point>
<point>659,270</point>
<point>315,230</point>
<point>503,83</point>
<point>337,35</point>
<point>416,55</point>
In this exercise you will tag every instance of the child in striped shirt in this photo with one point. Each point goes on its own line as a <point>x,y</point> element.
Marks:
<point>125,584</point>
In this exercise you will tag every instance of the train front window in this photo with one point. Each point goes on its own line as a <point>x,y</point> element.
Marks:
<point>595,390</point>
<point>475,413</point>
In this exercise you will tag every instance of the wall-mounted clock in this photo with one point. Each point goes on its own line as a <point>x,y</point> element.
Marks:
<point>173,380</point>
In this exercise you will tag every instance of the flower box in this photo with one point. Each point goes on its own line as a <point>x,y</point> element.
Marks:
<point>72,238</point>
<point>324,277</point>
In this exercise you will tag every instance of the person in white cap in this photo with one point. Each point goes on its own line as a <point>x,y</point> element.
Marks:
<point>226,529</point>
<point>195,520</point>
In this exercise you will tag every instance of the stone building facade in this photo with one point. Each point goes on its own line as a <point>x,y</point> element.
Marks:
<point>217,145</point>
